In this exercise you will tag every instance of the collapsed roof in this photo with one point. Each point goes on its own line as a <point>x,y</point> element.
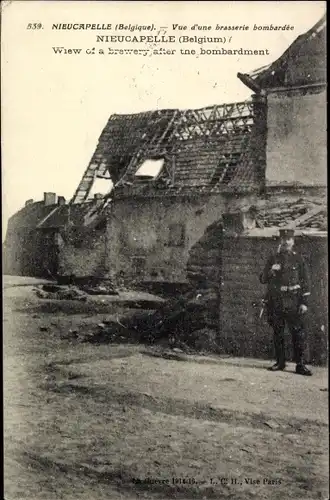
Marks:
<point>89,215</point>
<point>203,148</point>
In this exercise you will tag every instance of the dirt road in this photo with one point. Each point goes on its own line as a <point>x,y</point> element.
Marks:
<point>125,421</point>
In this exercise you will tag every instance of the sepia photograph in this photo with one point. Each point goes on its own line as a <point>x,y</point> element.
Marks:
<point>164,250</point>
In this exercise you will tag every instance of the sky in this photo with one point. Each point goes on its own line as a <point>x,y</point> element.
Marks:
<point>54,107</point>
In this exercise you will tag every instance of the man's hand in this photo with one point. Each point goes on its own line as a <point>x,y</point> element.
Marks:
<point>276,267</point>
<point>302,309</point>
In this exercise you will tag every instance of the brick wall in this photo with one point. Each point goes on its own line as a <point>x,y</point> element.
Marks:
<point>204,272</point>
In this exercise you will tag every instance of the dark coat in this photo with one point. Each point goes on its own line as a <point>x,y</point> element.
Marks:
<point>293,275</point>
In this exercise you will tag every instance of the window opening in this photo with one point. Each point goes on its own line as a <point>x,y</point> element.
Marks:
<point>149,169</point>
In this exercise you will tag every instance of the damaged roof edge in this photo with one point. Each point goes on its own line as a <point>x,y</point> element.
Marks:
<point>250,79</point>
<point>249,82</point>
<point>191,139</point>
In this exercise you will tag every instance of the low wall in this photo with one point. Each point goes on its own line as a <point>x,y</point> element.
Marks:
<point>223,272</point>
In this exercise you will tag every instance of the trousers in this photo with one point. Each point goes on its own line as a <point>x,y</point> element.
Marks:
<point>295,323</point>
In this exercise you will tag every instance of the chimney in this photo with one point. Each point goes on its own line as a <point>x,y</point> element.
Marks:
<point>61,200</point>
<point>98,196</point>
<point>49,199</point>
<point>28,202</point>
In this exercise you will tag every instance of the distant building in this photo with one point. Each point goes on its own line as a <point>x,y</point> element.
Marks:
<point>26,251</point>
<point>51,238</point>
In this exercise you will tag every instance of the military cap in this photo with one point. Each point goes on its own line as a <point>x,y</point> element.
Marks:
<point>286,233</point>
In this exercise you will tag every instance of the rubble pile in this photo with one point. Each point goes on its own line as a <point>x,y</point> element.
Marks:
<point>187,321</point>
<point>177,323</point>
<point>285,214</point>
<point>75,291</point>
<point>318,221</point>
<point>99,289</point>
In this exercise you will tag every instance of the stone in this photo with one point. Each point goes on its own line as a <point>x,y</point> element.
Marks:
<point>271,424</point>
<point>197,464</point>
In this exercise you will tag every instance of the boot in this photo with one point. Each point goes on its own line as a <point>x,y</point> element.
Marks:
<point>303,370</point>
<point>277,367</point>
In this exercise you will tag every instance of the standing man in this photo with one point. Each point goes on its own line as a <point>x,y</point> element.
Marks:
<point>287,282</point>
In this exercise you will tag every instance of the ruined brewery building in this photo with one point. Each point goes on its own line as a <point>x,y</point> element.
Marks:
<point>198,195</point>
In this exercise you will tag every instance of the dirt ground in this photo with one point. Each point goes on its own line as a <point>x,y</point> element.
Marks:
<point>96,422</point>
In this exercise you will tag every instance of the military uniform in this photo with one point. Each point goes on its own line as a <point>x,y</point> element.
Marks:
<point>287,290</point>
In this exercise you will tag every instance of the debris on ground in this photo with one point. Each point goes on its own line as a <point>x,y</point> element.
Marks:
<point>177,323</point>
<point>180,322</point>
<point>271,424</point>
<point>52,288</point>
<point>73,332</point>
<point>58,292</point>
<point>99,289</point>
<point>101,325</point>
<point>75,290</point>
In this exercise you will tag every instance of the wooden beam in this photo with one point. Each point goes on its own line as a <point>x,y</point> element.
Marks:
<point>304,217</point>
<point>249,82</point>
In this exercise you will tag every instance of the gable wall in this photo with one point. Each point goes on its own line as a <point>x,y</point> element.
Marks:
<point>140,228</point>
<point>296,138</point>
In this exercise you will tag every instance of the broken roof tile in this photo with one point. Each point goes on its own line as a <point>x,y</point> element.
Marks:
<point>202,147</point>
